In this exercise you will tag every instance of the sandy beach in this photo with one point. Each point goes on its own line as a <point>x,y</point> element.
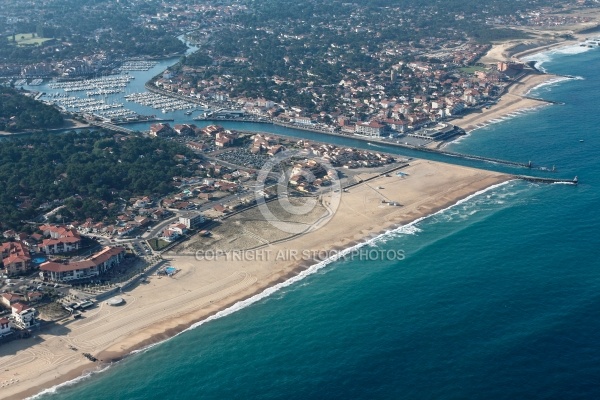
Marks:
<point>162,307</point>
<point>165,306</point>
<point>515,50</point>
<point>510,103</point>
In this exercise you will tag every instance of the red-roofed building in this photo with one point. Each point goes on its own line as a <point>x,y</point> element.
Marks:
<point>61,239</point>
<point>5,326</point>
<point>397,125</point>
<point>95,265</point>
<point>369,128</point>
<point>212,130</point>
<point>161,130</point>
<point>179,228</point>
<point>224,139</point>
<point>220,208</point>
<point>170,235</point>
<point>275,149</point>
<point>15,257</point>
<point>196,146</point>
<point>23,316</point>
<point>34,296</point>
<point>183,129</point>
<point>8,299</point>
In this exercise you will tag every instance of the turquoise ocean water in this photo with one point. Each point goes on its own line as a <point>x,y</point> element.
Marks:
<point>498,297</point>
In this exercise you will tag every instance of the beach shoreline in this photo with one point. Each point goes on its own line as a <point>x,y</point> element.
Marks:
<point>62,365</point>
<point>206,290</point>
<point>515,100</point>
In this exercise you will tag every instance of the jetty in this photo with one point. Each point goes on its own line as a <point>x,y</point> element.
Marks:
<point>560,103</point>
<point>465,156</point>
<point>536,179</point>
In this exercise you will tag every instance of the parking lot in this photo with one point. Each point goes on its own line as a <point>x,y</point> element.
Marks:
<point>243,157</point>
<point>140,248</point>
<point>29,284</point>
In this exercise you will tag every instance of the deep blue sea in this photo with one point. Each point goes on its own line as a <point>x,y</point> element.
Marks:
<point>498,297</point>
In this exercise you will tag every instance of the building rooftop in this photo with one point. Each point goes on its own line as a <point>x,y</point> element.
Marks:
<point>95,260</point>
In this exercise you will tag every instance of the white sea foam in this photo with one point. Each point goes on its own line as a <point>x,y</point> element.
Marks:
<point>85,376</point>
<point>507,117</point>
<point>408,229</point>
<point>553,82</point>
<point>563,183</point>
<point>546,56</point>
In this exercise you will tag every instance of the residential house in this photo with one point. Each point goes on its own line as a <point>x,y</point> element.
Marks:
<point>141,220</point>
<point>125,230</point>
<point>275,149</point>
<point>224,139</point>
<point>212,130</point>
<point>23,316</point>
<point>8,299</point>
<point>220,208</point>
<point>5,326</point>
<point>15,257</point>
<point>160,130</point>
<point>174,231</point>
<point>158,214</point>
<point>34,296</point>
<point>61,239</point>
<point>196,146</point>
<point>180,229</point>
<point>143,202</point>
<point>183,129</point>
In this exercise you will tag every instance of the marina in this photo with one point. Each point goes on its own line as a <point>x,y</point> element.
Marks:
<point>113,82</point>
<point>138,65</point>
<point>160,102</point>
<point>97,107</point>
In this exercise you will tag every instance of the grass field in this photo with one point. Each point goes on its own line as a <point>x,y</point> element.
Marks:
<point>25,39</point>
<point>472,70</point>
<point>158,244</point>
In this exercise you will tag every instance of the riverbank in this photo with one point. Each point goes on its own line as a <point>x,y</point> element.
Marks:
<point>165,306</point>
